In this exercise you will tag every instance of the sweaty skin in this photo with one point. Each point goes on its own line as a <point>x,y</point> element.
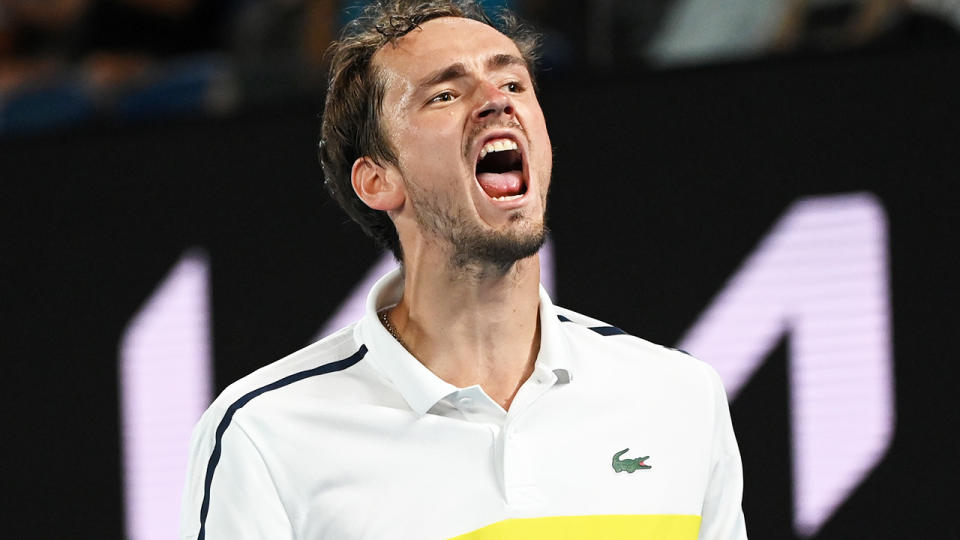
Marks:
<point>451,85</point>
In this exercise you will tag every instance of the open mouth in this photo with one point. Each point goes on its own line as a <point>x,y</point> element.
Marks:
<point>500,170</point>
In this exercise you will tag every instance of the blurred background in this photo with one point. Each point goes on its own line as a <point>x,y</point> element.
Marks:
<point>766,184</point>
<point>65,63</point>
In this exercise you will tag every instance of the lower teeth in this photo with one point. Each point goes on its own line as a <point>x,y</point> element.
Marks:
<point>507,197</point>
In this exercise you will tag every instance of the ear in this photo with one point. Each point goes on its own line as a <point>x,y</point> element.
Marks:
<point>376,186</point>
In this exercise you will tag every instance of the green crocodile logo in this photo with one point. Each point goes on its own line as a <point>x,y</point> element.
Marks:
<point>629,465</point>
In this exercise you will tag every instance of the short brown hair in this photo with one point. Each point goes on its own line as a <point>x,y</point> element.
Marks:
<point>351,117</point>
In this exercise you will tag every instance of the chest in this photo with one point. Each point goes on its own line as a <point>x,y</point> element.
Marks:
<point>379,472</point>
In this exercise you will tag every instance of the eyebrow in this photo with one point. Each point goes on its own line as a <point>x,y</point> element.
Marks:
<point>442,75</point>
<point>457,70</point>
<point>505,60</point>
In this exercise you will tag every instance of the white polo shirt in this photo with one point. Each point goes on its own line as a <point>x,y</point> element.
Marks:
<point>353,438</point>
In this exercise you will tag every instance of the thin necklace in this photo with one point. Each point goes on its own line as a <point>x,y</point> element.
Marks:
<point>390,328</point>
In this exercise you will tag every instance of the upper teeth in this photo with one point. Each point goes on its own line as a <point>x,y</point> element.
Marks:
<point>498,145</point>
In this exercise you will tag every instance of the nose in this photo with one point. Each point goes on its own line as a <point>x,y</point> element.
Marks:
<point>492,103</point>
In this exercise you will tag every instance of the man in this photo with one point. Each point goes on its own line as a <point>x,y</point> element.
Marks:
<point>464,403</point>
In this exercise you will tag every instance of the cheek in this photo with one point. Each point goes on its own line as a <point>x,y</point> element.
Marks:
<point>413,144</point>
<point>544,148</point>
<point>537,127</point>
<point>544,157</point>
<point>431,136</point>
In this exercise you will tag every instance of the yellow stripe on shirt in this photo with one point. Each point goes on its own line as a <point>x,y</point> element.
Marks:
<point>653,526</point>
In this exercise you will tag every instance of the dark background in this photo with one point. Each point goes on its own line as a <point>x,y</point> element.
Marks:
<point>663,183</point>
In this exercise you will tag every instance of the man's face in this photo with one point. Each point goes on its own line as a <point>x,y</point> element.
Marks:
<point>470,138</point>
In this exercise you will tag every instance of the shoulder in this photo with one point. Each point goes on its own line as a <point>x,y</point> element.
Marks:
<point>320,363</point>
<point>612,347</point>
<point>223,437</point>
<point>583,327</point>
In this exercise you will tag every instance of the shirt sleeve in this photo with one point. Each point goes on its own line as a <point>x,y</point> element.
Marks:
<point>722,514</point>
<point>242,499</point>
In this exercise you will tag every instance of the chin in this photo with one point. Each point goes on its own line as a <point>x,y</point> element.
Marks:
<point>500,249</point>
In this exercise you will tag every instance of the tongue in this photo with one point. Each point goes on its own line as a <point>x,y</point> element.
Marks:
<point>500,184</point>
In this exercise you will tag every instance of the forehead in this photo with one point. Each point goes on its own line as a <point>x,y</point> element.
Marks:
<point>438,43</point>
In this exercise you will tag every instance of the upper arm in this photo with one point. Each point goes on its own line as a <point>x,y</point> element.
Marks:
<point>722,512</point>
<point>242,500</point>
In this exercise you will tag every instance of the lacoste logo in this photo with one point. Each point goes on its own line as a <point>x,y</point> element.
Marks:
<point>629,465</point>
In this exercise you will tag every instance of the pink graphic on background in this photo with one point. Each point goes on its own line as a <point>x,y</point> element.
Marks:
<point>820,277</point>
<point>352,308</point>
<point>165,385</point>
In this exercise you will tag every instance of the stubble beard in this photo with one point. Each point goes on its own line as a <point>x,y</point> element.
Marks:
<point>471,245</point>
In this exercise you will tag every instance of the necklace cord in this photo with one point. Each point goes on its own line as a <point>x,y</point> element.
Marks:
<point>385,319</point>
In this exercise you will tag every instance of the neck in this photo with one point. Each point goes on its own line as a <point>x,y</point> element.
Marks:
<point>472,326</point>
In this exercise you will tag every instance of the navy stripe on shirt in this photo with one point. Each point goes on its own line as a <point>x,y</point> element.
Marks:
<point>233,408</point>
<point>602,330</point>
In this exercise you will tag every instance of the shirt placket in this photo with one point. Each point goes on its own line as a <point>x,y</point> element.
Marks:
<point>518,449</point>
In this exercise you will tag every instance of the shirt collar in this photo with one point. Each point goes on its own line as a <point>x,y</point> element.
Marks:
<point>420,387</point>
<point>554,353</point>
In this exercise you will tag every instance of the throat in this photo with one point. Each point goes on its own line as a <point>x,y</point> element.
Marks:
<point>468,332</point>
<point>499,366</point>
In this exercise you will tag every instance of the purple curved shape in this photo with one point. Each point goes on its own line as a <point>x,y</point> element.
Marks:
<point>165,385</point>
<point>821,277</point>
